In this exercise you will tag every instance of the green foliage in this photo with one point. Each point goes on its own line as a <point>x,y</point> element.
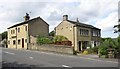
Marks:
<point>95,49</point>
<point>52,33</point>
<point>4,35</point>
<point>109,43</point>
<point>50,40</point>
<point>118,28</point>
<point>44,40</point>
<point>90,50</point>
<point>103,50</point>
<point>85,52</point>
<point>59,38</point>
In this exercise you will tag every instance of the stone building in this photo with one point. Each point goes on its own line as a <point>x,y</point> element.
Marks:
<point>21,34</point>
<point>82,35</point>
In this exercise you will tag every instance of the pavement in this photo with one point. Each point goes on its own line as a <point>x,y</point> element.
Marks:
<point>95,56</point>
<point>27,58</point>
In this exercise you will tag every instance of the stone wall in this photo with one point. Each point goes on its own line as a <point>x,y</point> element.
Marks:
<point>51,48</point>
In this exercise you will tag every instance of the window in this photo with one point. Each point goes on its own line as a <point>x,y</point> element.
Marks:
<point>19,41</point>
<point>25,28</point>
<point>18,30</point>
<point>25,40</point>
<point>11,31</point>
<point>95,33</point>
<point>8,42</point>
<point>13,42</point>
<point>61,28</point>
<point>84,32</point>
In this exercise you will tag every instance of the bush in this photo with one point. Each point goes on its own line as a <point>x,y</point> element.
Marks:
<point>59,38</point>
<point>103,50</point>
<point>44,40</point>
<point>85,52</point>
<point>69,43</point>
<point>109,43</point>
<point>95,49</point>
<point>89,50</point>
<point>62,40</point>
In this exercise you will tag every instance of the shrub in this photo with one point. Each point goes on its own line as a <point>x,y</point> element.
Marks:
<point>103,50</point>
<point>95,49</point>
<point>85,52</point>
<point>69,43</point>
<point>89,50</point>
<point>109,43</point>
<point>59,38</point>
<point>44,40</point>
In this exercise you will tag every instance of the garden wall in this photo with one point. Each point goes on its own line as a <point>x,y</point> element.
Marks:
<point>52,48</point>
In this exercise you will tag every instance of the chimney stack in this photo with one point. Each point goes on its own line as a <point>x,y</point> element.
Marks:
<point>77,20</point>
<point>65,17</point>
<point>26,17</point>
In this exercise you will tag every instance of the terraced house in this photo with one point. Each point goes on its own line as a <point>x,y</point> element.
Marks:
<point>81,35</point>
<point>21,34</point>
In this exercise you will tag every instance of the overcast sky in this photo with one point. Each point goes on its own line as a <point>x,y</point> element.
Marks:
<point>99,13</point>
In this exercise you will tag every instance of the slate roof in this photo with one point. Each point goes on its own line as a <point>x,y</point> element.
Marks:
<point>82,24</point>
<point>25,22</point>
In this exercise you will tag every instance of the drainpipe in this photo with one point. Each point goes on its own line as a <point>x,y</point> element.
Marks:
<point>27,37</point>
<point>16,37</point>
<point>73,38</point>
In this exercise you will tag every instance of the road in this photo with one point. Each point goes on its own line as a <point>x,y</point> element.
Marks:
<point>26,58</point>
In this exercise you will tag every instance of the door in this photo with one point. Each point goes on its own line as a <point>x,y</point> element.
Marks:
<point>79,45</point>
<point>22,42</point>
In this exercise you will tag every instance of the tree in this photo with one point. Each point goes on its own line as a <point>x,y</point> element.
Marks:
<point>4,35</point>
<point>52,33</point>
<point>110,43</point>
<point>118,28</point>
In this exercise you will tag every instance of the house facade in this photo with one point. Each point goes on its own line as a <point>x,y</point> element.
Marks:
<point>21,34</point>
<point>81,35</point>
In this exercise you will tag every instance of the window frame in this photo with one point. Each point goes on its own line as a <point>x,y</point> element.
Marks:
<point>14,42</point>
<point>18,30</point>
<point>19,42</point>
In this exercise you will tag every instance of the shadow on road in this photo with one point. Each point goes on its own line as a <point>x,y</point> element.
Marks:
<point>16,65</point>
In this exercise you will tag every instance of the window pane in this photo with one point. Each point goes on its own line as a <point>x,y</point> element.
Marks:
<point>18,29</point>
<point>18,41</point>
<point>13,42</point>
<point>25,28</point>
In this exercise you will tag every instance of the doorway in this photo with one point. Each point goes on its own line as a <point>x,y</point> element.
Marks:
<point>79,45</point>
<point>22,42</point>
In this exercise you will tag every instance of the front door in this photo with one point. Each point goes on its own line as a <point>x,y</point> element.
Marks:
<point>79,45</point>
<point>22,42</point>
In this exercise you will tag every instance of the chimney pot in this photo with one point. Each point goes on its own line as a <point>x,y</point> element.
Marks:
<point>27,17</point>
<point>65,17</point>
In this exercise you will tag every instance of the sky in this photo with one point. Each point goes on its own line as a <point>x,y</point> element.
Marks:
<point>102,14</point>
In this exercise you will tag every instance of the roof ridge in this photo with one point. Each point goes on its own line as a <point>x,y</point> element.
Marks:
<point>24,22</point>
<point>78,24</point>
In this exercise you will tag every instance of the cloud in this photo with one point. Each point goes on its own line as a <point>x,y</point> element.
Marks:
<point>12,13</point>
<point>107,24</point>
<point>102,14</point>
